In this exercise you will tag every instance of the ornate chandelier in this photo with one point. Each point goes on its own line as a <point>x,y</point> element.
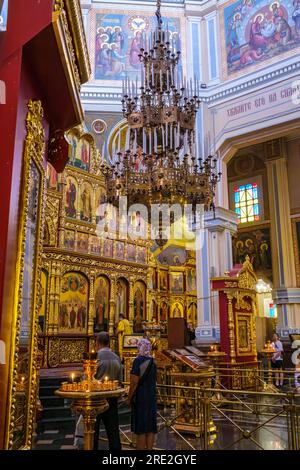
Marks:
<point>160,164</point>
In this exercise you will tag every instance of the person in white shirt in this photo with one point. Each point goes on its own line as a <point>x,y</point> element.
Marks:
<point>277,360</point>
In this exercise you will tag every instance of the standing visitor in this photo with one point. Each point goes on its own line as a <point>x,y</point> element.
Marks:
<point>123,329</point>
<point>277,360</point>
<point>109,365</point>
<point>142,396</point>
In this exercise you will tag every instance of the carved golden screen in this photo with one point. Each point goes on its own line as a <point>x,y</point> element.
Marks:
<point>23,365</point>
<point>244,334</point>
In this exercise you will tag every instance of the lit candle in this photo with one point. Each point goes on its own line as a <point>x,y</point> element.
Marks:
<point>106,386</point>
<point>93,351</point>
<point>72,377</point>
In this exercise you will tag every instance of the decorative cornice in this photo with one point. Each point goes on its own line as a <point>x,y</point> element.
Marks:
<point>252,83</point>
<point>74,13</point>
<point>211,95</point>
<point>90,261</point>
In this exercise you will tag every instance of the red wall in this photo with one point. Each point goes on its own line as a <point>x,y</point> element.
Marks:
<point>26,18</point>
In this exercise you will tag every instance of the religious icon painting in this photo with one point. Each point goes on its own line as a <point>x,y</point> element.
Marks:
<point>95,245</point>
<point>243,333</point>
<point>192,313</point>
<point>153,311</point>
<point>121,298</point>
<point>130,341</point>
<point>118,41</point>
<point>51,177</point>
<point>72,149</point>
<point>142,255</point>
<point>69,239</point>
<point>177,310</point>
<point>131,252</point>
<point>83,154</point>
<point>99,204</point>
<point>176,283</point>
<point>86,206</point>
<point>163,280</point>
<point>73,304</point>
<point>71,197</point>
<point>255,32</point>
<point>108,248</point>
<point>139,303</point>
<point>101,292</point>
<point>31,230</point>
<point>164,312</point>
<point>43,300</point>
<point>191,280</point>
<point>82,243</point>
<point>152,281</point>
<point>120,250</point>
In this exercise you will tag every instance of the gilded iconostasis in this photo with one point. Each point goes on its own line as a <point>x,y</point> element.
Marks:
<point>91,272</point>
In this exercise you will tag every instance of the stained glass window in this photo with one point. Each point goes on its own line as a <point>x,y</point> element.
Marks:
<point>246,203</point>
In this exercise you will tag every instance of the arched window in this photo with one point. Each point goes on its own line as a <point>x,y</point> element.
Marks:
<point>246,202</point>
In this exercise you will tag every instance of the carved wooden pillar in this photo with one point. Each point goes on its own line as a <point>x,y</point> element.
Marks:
<point>131,301</point>
<point>50,323</point>
<point>253,325</point>
<point>91,312</point>
<point>94,203</point>
<point>57,280</point>
<point>231,329</point>
<point>78,201</point>
<point>148,300</point>
<point>62,215</point>
<point>112,306</point>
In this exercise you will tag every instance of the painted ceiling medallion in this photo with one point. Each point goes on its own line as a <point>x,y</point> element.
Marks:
<point>99,126</point>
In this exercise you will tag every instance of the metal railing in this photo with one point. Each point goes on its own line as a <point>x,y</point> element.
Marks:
<point>221,418</point>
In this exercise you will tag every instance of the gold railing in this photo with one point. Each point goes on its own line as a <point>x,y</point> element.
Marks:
<point>259,378</point>
<point>244,414</point>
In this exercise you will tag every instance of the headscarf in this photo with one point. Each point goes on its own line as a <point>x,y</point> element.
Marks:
<point>144,347</point>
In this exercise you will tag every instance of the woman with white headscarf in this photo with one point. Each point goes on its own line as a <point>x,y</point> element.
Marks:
<point>142,396</point>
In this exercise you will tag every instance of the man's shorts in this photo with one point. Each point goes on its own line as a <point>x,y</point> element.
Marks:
<point>277,365</point>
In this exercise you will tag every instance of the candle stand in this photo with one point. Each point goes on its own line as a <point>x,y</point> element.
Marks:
<point>89,396</point>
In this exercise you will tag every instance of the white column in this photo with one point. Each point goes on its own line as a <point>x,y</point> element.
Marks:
<point>213,258</point>
<point>285,292</point>
<point>212,47</point>
<point>194,49</point>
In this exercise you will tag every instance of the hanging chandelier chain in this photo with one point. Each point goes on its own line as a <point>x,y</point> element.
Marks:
<point>158,14</point>
<point>160,161</point>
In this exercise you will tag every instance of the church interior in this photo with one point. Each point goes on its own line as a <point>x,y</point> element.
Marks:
<point>150,156</point>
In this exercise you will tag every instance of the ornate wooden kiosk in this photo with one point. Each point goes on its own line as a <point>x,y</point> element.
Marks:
<point>186,370</point>
<point>238,309</point>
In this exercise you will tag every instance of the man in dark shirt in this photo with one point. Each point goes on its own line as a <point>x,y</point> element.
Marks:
<point>109,365</point>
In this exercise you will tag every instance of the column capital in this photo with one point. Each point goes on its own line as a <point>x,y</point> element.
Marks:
<point>218,221</point>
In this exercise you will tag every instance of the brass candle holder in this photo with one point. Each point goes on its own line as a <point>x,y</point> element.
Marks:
<point>88,382</point>
<point>90,365</point>
<point>269,350</point>
<point>89,396</point>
